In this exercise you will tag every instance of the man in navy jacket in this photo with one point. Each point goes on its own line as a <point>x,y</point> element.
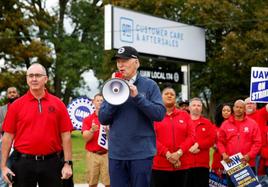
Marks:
<point>132,143</point>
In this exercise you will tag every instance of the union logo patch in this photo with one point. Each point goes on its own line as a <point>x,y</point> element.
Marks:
<point>78,109</point>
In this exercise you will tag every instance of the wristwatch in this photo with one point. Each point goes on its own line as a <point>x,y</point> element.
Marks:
<point>69,162</point>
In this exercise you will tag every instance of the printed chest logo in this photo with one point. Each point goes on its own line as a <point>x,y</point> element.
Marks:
<point>203,129</point>
<point>230,130</point>
<point>246,129</point>
<point>181,121</point>
<point>51,109</point>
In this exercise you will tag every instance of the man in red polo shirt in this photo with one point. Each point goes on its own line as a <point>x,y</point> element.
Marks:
<point>97,157</point>
<point>40,127</point>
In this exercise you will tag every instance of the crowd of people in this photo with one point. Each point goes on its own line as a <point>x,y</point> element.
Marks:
<point>153,142</point>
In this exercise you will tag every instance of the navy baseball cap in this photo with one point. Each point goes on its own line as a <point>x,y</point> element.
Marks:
<point>126,52</point>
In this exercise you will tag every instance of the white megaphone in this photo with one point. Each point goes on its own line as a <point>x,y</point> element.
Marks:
<point>115,91</point>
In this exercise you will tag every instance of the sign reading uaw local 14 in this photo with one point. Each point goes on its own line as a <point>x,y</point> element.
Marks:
<point>78,109</point>
<point>162,75</point>
<point>259,85</point>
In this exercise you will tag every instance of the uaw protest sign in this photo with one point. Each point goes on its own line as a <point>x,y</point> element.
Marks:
<point>259,85</point>
<point>240,174</point>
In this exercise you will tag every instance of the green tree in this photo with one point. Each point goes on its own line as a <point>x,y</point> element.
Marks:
<point>236,39</point>
<point>38,36</point>
<point>20,45</point>
<point>79,51</point>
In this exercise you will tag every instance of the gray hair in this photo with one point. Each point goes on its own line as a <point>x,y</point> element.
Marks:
<point>195,99</point>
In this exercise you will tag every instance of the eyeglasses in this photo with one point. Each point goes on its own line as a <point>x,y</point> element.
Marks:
<point>36,75</point>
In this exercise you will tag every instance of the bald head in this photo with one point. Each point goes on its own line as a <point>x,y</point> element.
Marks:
<point>239,102</point>
<point>239,109</point>
<point>37,66</point>
<point>36,79</point>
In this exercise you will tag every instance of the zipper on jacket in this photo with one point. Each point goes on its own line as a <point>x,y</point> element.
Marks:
<point>266,138</point>
<point>238,137</point>
<point>39,106</point>
<point>173,135</point>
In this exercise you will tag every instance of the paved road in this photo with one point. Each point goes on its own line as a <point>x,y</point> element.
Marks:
<point>86,185</point>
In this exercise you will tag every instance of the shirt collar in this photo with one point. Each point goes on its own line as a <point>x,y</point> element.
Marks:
<point>31,97</point>
<point>133,79</point>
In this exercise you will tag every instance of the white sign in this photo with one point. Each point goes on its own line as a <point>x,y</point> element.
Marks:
<point>240,174</point>
<point>103,136</point>
<point>78,109</point>
<point>153,35</point>
<point>259,85</point>
<point>162,75</point>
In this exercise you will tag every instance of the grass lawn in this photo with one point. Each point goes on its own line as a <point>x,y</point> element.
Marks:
<point>79,157</point>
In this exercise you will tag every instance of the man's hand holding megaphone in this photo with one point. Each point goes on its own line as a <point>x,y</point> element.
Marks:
<point>133,89</point>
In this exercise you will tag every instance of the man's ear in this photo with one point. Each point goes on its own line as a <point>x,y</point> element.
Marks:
<point>137,63</point>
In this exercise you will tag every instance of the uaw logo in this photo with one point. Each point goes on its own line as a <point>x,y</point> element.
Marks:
<point>78,109</point>
<point>126,30</point>
<point>176,77</point>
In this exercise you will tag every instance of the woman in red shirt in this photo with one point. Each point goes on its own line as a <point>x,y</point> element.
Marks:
<point>223,112</point>
<point>174,136</point>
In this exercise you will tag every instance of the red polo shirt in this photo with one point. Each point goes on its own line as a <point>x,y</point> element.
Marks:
<point>37,125</point>
<point>92,145</point>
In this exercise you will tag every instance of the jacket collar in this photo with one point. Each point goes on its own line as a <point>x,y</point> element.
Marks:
<point>232,119</point>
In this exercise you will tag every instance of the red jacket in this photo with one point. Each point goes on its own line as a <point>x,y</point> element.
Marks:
<point>216,164</point>
<point>261,118</point>
<point>172,133</point>
<point>264,149</point>
<point>204,135</point>
<point>240,136</point>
